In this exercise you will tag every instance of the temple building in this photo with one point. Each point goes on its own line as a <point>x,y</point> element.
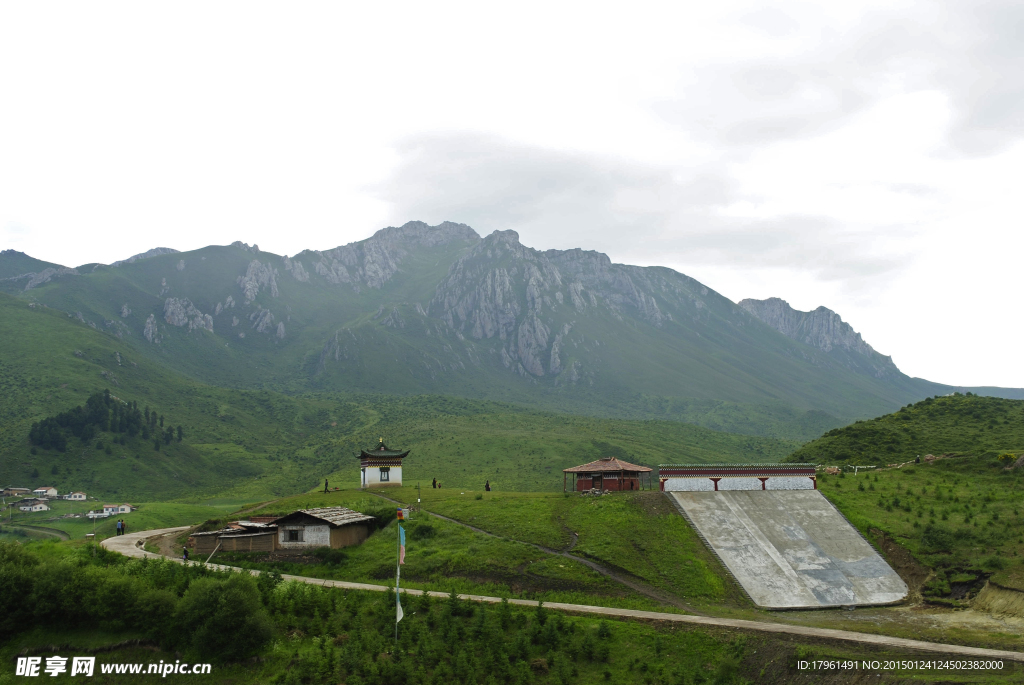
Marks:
<point>608,473</point>
<point>381,466</point>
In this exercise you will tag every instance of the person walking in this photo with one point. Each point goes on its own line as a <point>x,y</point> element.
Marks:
<point>487,486</point>
<point>433,484</point>
<point>184,554</point>
<point>117,527</point>
<point>325,486</point>
<point>124,527</point>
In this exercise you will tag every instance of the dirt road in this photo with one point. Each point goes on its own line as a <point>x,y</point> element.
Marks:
<point>131,545</point>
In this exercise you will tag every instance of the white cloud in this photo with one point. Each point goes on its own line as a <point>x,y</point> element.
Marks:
<point>861,156</point>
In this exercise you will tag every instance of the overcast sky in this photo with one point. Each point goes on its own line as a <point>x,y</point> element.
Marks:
<point>860,156</point>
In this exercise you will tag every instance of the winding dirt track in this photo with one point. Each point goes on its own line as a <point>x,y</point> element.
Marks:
<point>131,545</point>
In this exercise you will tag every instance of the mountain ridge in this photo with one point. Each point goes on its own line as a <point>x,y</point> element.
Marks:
<point>420,309</point>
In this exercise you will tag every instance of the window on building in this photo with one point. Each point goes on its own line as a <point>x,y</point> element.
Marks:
<point>294,535</point>
<point>385,474</point>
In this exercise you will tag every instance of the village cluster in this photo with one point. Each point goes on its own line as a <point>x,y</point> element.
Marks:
<point>42,498</point>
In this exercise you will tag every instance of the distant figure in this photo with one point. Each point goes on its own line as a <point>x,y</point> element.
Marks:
<point>124,527</point>
<point>433,484</point>
<point>120,526</point>
<point>325,486</point>
<point>487,486</point>
<point>184,554</point>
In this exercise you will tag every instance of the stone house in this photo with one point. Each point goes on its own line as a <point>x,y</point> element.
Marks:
<point>298,532</point>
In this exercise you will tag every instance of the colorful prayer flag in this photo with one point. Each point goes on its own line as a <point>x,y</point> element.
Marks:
<point>401,545</point>
<point>401,514</point>
<point>399,615</point>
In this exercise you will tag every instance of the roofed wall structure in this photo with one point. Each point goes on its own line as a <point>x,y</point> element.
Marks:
<point>715,477</point>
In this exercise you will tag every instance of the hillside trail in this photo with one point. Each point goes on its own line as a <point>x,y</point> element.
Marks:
<point>130,545</point>
<point>42,529</point>
<point>631,583</point>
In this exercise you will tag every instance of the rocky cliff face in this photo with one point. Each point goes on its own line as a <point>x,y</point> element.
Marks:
<point>823,329</point>
<point>530,300</point>
<point>372,262</point>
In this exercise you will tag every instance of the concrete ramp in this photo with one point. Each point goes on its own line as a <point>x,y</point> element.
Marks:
<point>791,549</point>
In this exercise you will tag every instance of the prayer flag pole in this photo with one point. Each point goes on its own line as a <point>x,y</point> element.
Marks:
<point>399,614</point>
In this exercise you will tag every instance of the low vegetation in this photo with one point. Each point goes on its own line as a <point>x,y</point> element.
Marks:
<point>955,424</point>
<point>960,517</point>
<point>142,611</point>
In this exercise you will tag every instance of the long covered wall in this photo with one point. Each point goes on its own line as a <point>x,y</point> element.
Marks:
<point>716,477</point>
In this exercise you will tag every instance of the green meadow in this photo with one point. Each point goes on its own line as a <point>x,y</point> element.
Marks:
<point>960,518</point>
<point>261,630</point>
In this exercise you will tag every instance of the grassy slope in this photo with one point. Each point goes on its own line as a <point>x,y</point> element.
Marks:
<point>252,444</point>
<point>150,515</point>
<point>963,424</point>
<point>973,502</point>
<point>715,366</point>
<point>14,263</point>
<point>970,498</point>
<point>444,556</point>
<point>317,629</point>
<point>639,533</point>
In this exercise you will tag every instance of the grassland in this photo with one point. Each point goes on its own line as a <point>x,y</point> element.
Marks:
<point>308,635</point>
<point>246,445</point>
<point>960,518</point>
<point>639,534</point>
<point>954,424</point>
<point>150,515</point>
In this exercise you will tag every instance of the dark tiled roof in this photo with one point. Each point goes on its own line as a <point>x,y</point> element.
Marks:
<point>608,464</point>
<point>382,450</point>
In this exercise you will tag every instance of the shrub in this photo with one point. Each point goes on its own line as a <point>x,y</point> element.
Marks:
<point>329,556</point>
<point>222,620</point>
<point>937,538</point>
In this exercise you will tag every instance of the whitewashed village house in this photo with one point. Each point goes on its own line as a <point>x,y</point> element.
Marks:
<point>45,491</point>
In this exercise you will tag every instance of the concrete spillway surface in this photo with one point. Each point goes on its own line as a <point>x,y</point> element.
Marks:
<point>791,549</point>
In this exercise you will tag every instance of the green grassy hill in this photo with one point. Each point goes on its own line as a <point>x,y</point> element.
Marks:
<point>960,518</point>
<point>948,524</point>
<point>960,424</point>
<point>252,444</point>
<point>14,263</point>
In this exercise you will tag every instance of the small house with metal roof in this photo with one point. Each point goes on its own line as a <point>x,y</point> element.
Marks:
<point>332,527</point>
<point>298,532</point>
<point>607,473</point>
<point>381,466</point>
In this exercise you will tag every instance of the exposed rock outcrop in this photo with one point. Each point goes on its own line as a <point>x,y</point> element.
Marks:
<point>246,246</point>
<point>181,265</point>
<point>519,295</point>
<point>296,269</point>
<point>155,252</point>
<point>125,312</point>
<point>262,320</point>
<point>372,262</point>
<point>184,313</point>
<point>823,329</point>
<point>150,330</point>
<point>258,275</point>
<point>46,275</point>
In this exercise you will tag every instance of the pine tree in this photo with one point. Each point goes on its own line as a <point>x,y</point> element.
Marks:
<point>179,434</point>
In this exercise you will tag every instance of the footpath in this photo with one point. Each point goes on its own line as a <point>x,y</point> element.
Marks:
<point>131,545</point>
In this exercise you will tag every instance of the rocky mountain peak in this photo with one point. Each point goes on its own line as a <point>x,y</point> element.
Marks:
<point>821,328</point>
<point>155,252</point>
